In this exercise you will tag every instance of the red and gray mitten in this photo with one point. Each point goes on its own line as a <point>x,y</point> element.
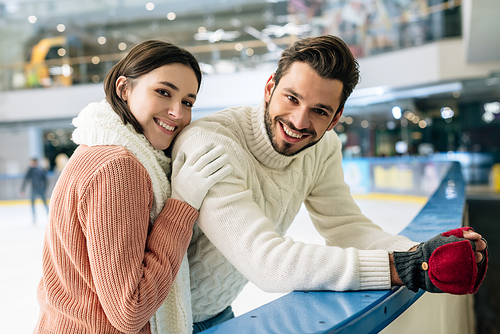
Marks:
<point>445,263</point>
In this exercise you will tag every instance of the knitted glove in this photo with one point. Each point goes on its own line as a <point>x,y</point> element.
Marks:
<point>191,179</point>
<point>445,263</point>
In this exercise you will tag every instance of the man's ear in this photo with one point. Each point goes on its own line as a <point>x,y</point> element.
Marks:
<point>268,90</point>
<point>335,119</point>
<point>121,88</point>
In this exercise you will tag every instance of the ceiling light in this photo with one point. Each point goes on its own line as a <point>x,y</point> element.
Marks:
<point>396,112</point>
<point>447,112</point>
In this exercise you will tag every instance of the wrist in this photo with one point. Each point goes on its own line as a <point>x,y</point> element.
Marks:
<point>395,280</point>
<point>193,202</point>
<point>408,267</point>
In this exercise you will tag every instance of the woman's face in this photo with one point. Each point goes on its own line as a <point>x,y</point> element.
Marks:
<point>161,101</point>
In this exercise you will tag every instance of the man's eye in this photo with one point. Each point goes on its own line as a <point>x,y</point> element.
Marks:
<point>292,98</point>
<point>320,112</point>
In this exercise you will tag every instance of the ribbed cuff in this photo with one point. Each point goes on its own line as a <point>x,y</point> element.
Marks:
<point>180,218</point>
<point>409,268</point>
<point>374,270</point>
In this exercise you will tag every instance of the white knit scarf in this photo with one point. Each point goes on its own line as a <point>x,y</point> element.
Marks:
<point>98,124</point>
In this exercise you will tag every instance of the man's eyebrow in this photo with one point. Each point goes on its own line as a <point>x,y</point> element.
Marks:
<point>297,95</point>
<point>174,87</point>
<point>323,106</point>
<point>292,92</point>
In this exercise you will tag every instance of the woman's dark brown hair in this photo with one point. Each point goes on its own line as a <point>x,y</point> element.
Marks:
<point>329,56</point>
<point>142,59</point>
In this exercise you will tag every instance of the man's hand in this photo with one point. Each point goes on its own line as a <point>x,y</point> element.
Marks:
<point>445,263</point>
<point>479,241</point>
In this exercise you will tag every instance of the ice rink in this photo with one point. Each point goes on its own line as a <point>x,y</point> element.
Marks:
<point>21,249</point>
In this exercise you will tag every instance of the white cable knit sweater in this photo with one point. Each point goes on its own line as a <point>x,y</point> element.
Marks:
<point>239,232</point>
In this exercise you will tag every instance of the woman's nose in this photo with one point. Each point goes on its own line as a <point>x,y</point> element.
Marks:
<point>175,111</point>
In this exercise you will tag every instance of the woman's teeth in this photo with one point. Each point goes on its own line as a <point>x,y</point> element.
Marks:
<point>165,126</point>
<point>290,133</point>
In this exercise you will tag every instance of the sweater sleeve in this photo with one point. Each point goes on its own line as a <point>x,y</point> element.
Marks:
<point>132,270</point>
<point>339,220</point>
<point>242,232</point>
<point>335,214</point>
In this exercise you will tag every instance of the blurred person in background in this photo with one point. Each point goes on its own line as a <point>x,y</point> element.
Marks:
<point>285,154</point>
<point>118,233</point>
<point>37,178</point>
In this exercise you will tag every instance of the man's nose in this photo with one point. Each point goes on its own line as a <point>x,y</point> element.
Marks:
<point>300,118</point>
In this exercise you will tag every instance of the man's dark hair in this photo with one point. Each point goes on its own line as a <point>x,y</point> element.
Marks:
<point>329,56</point>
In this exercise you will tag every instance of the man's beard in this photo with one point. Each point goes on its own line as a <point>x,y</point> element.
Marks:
<point>287,149</point>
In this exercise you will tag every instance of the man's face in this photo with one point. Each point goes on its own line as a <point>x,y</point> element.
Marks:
<point>300,109</point>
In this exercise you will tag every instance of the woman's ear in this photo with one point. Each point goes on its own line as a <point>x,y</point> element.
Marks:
<point>122,88</point>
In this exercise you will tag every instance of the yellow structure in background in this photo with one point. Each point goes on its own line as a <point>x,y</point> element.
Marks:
<point>495,177</point>
<point>49,63</point>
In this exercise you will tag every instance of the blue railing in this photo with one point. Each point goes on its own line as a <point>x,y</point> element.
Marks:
<point>359,311</point>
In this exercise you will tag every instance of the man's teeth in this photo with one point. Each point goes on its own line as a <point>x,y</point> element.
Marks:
<point>290,133</point>
<point>165,126</point>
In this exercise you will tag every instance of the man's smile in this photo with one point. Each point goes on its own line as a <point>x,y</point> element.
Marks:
<point>290,135</point>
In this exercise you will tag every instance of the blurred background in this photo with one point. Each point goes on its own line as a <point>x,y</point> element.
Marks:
<point>430,88</point>
<point>430,69</point>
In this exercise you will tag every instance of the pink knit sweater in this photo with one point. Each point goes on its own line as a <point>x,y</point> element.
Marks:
<point>105,268</point>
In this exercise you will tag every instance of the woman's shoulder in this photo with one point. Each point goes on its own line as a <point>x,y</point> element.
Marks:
<point>102,157</point>
<point>103,152</point>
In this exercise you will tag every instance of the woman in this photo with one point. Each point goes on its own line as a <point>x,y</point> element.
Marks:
<point>106,267</point>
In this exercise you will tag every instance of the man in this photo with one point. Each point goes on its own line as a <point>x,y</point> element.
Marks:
<point>283,154</point>
<point>38,185</point>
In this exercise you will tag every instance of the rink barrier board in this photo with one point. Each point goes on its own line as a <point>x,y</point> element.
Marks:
<point>364,311</point>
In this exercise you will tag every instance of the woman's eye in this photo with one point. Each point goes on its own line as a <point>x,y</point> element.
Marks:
<point>188,104</point>
<point>163,92</point>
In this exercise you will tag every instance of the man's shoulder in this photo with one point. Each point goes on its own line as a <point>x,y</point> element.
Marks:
<point>226,118</point>
<point>329,145</point>
<point>222,126</point>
